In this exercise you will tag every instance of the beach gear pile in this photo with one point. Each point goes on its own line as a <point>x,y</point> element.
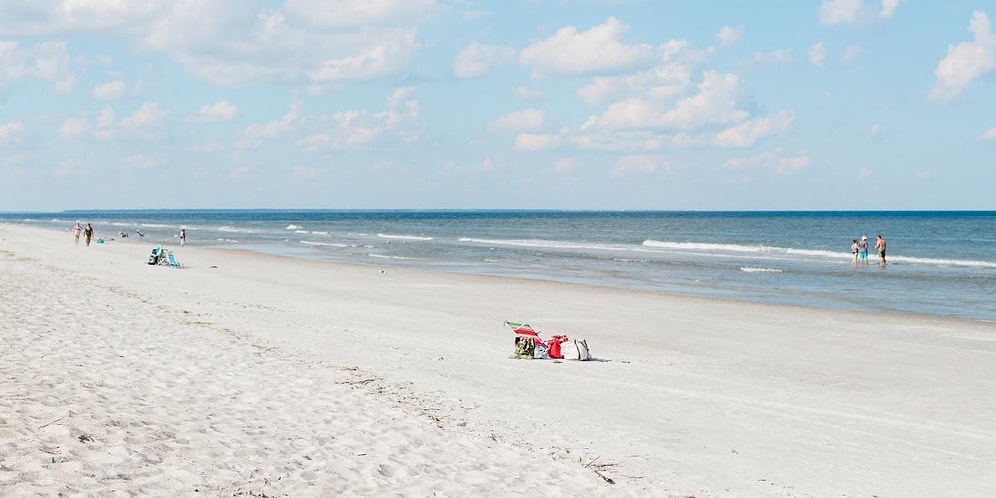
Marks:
<point>529,344</point>
<point>163,257</point>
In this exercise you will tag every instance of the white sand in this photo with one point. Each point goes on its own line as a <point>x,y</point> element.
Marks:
<point>251,375</point>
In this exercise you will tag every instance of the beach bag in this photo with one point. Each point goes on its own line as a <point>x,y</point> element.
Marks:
<point>525,347</point>
<point>584,354</point>
<point>541,351</point>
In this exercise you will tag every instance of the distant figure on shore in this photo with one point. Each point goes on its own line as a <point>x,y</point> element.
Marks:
<point>123,234</point>
<point>183,236</point>
<point>77,230</point>
<point>880,247</point>
<point>140,234</point>
<point>863,250</point>
<point>854,251</point>
<point>88,234</point>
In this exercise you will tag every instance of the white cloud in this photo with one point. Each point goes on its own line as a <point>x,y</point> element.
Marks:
<point>485,166</point>
<point>149,114</point>
<point>11,133</point>
<point>596,50</point>
<point>254,134</point>
<point>111,90</point>
<point>717,102</point>
<point>478,60</point>
<point>876,129</point>
<point>147,123</point>
<point>750,132</point>
<point>639,164</point>
<point>840,11</point>
<point>793,164</point>
<point>966,61</point>
<point>536,141</point>
<point>778,56</point>
<point>864,173</point>
<point>352,13</point>
<point>47,61</point>
<point>523,93</point>
<point>888,8</point>
<point>143,162</point>
<point>67,167</point>
<point>817,54</point>
<point>240,42</point>
<point>989,135</point>
<point>221,110</point>
<point>728,36</point>
<point>671,77</point>
<point>74,128</point>
<point>852,52</point>
<point>529,119</point>
<point>775,160</point>
<point>855,11</point>
<point>564,166</point>
<point>398,123</point>
<point>66,85</point>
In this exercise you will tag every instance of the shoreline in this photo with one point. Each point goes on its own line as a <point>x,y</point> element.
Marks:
<point>699,396</point>
<point>386,263</point>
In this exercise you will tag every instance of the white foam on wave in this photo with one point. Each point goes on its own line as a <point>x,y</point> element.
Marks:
<point>294,227</point>
<point>752,269</point>
<point>381,256</point>
<point>227,228</point>
<point>319,233</point>
<point>324,244</point>
<point>305,232</point>
<point>939,262</point>
<point>402,237</point>
<point>550,244</point>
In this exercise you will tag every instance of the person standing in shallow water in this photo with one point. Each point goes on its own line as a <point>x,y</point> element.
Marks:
<point>854,252</point>
<point>183,236</point>
<point>77,230</point>
<point>880,247</point>
<point>88,234</point>
<point>863,250</point>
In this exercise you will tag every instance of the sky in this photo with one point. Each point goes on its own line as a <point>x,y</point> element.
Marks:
<point>511,104</point>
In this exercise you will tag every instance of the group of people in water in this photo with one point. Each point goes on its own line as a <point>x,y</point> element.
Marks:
<point>859,250</point>
<point>87,233</point>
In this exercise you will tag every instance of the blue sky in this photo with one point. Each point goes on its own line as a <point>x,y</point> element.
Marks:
<point>569,104</point>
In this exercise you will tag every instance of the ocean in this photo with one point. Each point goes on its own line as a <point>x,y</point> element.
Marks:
<point>939,263</point>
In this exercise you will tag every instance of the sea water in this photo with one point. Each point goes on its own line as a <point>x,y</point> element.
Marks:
<point>939,263</point>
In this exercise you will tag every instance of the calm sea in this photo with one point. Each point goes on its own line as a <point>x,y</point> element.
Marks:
<point>940,263</point>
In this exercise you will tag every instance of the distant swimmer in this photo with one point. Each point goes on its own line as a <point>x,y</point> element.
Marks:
<point>880,247</point>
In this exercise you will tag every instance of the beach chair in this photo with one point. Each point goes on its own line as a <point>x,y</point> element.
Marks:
<point>529,344</point>
<point>171,261</point>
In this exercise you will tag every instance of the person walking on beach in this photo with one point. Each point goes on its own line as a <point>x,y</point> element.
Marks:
<point>77,230</point>
<point>183,236</point>
<point>863,250</point>
<point>854,252</point>
<point>88,234</point>
<point>880,247</point>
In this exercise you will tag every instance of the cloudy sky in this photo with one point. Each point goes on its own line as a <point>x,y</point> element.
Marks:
<point>565,104</point>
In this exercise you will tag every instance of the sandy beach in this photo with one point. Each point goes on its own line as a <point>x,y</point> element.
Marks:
<point>250,375</point>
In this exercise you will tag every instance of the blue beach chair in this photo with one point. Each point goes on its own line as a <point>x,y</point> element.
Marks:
<point>172,261</point>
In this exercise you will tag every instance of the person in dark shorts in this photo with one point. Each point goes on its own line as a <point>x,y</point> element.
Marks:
<point>880,247</point>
